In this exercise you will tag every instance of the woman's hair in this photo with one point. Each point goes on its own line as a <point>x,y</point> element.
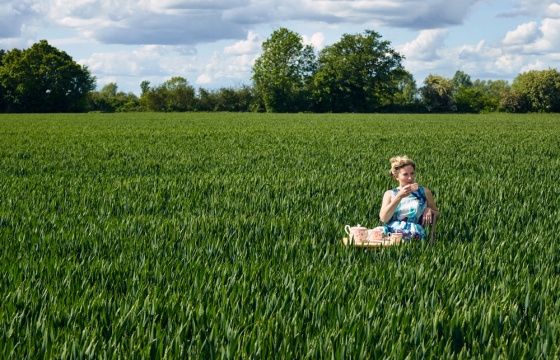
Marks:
<point>398,162</point>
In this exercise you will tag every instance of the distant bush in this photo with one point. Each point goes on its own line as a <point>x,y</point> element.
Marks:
<point>109,100</point>
<point>513,102</point>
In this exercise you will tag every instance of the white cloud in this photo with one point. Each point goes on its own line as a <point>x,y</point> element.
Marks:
<point>145,21</point>
<point>149,60</point>
<point>233,64</point>
<point>204,79</point>
<point>426,45</point>
<point>106,80</point>
<point>524,34</point>
<point>509,64</point>
<point>191,22</point>
<point>550,40</point>
<point>186,67</point>
<point>537,65</point>
<point>527,8</point>
<point>167,49</point>
<point>250,46</point>
<point>531,46</point>
<point>167,32</point>
<point>159,62</point>
<point>317,40</point>
<point>472,53</point>
<point>223,68</point>
<point>528,39</point>
<point>553,11</point>
<point>67,41</point>
<point>15,17</point>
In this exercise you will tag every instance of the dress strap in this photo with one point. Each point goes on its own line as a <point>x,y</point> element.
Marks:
<point>420,193</point>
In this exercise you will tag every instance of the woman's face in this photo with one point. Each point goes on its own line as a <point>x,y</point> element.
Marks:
<point>405,176</point>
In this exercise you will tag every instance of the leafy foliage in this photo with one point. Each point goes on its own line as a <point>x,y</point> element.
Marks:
<point>407,90</point>
<point>226,99</point>
<point>494,91</point>
<point>109,99</point>
<point>470,99</point>
<point>437,94</point>
<point>44,79</point>
<point>514,102</point>
<point>176,95</point>
<point>173,95</point>
<point>461,79</point>
<point>218,235</point>
<point>406,99</point>
<point>3,107</point>
<point>281,73</point>
<point>540,88</point>
<point>357,73</point>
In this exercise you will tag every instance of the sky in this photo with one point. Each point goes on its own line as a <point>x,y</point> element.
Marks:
<point>214,43</point>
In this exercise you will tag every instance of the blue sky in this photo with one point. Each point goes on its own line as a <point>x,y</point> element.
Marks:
<point>213,43</point>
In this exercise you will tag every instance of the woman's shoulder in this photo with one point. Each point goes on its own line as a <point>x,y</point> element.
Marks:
<point>389,193</point>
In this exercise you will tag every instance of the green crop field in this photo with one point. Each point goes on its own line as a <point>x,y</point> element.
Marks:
<point>219,236</point>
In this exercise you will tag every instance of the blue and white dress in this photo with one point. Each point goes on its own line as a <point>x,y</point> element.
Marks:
<point>407,216</point>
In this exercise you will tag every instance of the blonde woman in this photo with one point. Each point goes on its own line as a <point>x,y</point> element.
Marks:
<point>407,208</point>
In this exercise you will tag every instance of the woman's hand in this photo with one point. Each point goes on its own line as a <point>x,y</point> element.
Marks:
<point>404,192</point>
<point>427,216</point>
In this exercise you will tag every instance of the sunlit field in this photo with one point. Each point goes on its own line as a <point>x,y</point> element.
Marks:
<point>218,235</point>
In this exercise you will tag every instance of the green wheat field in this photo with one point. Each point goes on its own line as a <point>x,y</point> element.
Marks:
<point>219,236</point>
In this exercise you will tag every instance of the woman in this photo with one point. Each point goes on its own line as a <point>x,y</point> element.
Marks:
<point>408,207</point>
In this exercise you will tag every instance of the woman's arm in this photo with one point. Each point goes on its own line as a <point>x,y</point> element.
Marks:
<point>388,206</point>
<point>431,210</point>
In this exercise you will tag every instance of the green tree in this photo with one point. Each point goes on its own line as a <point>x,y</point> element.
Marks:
<point>180,95</point>
<point>2,91</point>
<point>357,73</point>
<point>109,91</point>
<point>494,90</point>
<point>437,94</point>
<point>513,101</point>
<point>105,100</point>
<point>206,100</point>
<point>283,71</point>
<point>109,99</point>
<point>125,102</point>
<point>144,87</point>
<point>233,99</point>
<point>44,79</point>
<point>225,99</point>
<point>155,99</point>
<point>406,98</point>
<point>407,90</point>
<point>460,79</point>
<point>467,97</point>
<point>173,95</point>
<point>540,88</point>
<point>245,97</point>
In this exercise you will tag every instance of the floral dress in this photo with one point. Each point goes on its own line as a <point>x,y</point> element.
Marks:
<point>407,216</point>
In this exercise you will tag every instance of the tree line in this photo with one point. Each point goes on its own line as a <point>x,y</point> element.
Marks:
<point>360,73</point>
